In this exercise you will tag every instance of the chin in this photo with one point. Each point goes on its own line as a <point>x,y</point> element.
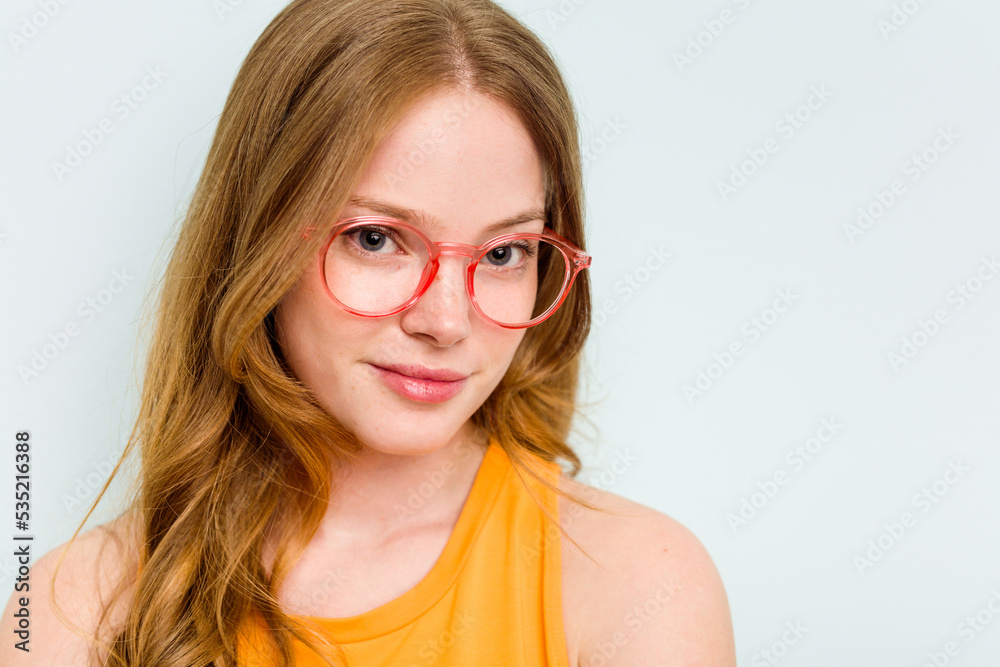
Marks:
<point>405,443</point>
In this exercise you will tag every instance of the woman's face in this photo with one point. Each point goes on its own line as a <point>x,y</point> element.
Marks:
<point>461,161</point>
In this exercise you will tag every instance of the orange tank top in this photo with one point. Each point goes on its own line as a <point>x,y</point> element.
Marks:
<point>494,596</point>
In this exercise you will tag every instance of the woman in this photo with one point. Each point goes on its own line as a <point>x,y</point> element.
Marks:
<point>362,376</point>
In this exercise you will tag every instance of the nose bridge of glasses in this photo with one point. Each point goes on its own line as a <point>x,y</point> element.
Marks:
<point>466,250</point>
<point>458,249</point>
<point>461,249</point>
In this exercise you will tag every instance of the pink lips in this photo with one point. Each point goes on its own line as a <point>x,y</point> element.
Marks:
<point>421,384</point>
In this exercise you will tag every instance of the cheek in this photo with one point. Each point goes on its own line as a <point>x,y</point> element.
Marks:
<point>306,332</point>
<point>504,346</point>
<point>288,320</point>
<point>287,332</point>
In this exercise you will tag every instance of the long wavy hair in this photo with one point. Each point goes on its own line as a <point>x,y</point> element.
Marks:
<point>232,444</point>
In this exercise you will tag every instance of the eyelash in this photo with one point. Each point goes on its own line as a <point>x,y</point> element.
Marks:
<point>522,244</point>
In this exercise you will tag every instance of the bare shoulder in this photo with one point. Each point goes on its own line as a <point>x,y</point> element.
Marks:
<point>653,596</point>
<point>92,566</point>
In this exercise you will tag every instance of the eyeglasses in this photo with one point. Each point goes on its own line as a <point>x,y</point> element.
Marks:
<point>374,266</point>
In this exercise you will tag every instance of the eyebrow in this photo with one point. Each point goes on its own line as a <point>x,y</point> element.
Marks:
<point>418,218</point>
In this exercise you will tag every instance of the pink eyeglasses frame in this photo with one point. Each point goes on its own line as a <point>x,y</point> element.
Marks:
<point>575,258</point>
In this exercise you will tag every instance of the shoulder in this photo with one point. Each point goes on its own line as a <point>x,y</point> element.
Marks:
<point>91,567</point>
<point>649,592</point>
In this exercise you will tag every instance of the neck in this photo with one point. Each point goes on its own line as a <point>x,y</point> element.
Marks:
<point>377,494</point>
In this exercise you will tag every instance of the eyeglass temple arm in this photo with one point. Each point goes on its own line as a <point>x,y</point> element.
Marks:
<point>580,258</point>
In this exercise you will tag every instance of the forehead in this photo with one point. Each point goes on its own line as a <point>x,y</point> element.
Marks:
<point>461,159</point>
<point>433,225</point>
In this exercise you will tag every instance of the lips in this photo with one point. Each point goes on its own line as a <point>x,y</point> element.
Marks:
<point>422,373</point>
<point>421,390</point>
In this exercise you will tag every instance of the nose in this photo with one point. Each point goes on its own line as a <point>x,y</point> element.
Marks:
<point>444,311</point>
